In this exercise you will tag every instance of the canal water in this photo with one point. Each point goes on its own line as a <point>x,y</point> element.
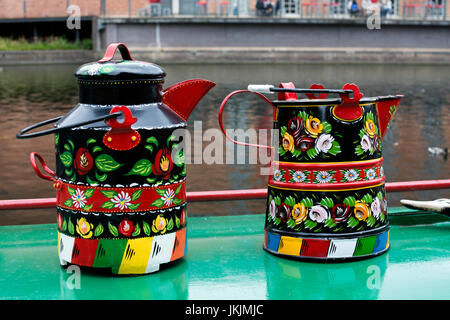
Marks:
<point>29,94</point>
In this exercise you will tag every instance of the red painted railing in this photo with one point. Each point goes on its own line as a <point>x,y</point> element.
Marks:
<point>224,195</point>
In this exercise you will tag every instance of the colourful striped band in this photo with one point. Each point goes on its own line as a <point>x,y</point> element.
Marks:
<point>326,248</point>
<point>111,200</point>
<point>123,256</point>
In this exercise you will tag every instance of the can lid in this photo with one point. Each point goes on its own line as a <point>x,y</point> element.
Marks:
<point>125,69</point>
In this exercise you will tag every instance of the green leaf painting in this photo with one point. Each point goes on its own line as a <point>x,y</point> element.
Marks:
<point>106,163</point>
<point>142,167</point>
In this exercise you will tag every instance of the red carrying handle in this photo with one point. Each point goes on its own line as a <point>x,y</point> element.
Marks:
<point>111,50</point>
<point>52,174</point>
<point>222,107</point>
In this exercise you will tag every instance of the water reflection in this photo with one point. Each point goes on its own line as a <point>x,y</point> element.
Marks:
<point>29,94</point>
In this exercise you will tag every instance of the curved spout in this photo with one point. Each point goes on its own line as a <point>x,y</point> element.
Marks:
<point>387,106</point>
<point>183,97</point>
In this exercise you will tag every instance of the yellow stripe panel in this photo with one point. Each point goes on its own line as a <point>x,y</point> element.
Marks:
<point>136,255</point>
<point>290,246</point>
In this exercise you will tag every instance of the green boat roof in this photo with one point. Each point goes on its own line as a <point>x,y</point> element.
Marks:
<point>225,260</point>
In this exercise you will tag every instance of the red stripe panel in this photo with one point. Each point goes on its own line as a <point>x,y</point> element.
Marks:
<point>98,202</point>
<point>327,186</point>
<point>83,252</point>
<point>329,165</point>
<point>314,248</point>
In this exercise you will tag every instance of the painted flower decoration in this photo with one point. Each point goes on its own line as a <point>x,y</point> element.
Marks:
<point>351,175</point>
<point>159,224</point>
<point>122,200</point>
<point>284,212</point>
<point>273,209</point>
<point>318,213</point>
<point>183,217</point>
<point>163,164</point>
<point>79,199</point>
<point>375,207</point>
<point>299,176</point>
<point>323,177</point>
<point>370,128</point>
<point>340,213</point>
<point>94,69</point>
<point>366,144</point>
<point>361,211</point>
<point>304,142</point>
<point>295,125</point>
<point>84,228</point>
<point>83,161</point>
<point>288,142</point>
<point>313,126</point>
<point>168,197</point>
<point>371,174</point>
<point>277,175</point>
<point>126,227</point>
<point>324,143</point>
<point>381,172</point>
<point>299,213</point>
<point>60,221</point>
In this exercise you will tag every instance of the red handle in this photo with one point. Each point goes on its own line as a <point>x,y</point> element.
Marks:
<point>111,50</point>
<point>222,107</point>
<point>349,109</point>
<point>33,156</point>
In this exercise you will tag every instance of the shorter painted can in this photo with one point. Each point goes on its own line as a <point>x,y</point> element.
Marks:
<point>326,197</point>
<point>120,177</point>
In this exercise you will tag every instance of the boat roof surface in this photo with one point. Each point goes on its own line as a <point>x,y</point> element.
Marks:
<point>225,260</point>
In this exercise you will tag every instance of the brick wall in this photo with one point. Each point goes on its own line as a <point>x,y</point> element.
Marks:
<point>57,8</point>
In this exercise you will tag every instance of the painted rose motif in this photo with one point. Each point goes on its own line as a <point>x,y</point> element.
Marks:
<point>122,200</point>
<point>163,164</point>
<point>183,217</point>
<point>313,126</point>
<point>60,221</point>
<point>370,128</point>
<point>159,224</point>
<point>361,211</point>
<point>126,227</point>
<point>366,144</point>
<point>288,142</point>
<point>304,143</point>
<point>299,213</point>
<point>284,212</point>
<point>79,199</point>
<point>318,213</point>
<point>84,228</point>
<point>273,209</point>
<point>295,126</point>
<point>324,143</point>
<point>375,207</point>
<point>340,213</point>
<point>83,161</point>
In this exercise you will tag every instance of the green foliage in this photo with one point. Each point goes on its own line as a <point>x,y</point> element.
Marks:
<point>50,43</point>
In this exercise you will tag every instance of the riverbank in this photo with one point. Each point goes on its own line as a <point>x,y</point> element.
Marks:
<point>258,40</point>
<point>240,55</point>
